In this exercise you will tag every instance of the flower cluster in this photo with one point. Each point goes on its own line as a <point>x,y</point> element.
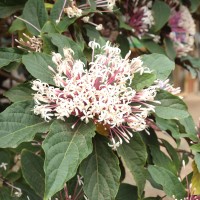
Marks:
<point>138,15</point>
<point>182,30</point>
<point>102,94</point>
<point>30,43</point>
<point>74,10</point>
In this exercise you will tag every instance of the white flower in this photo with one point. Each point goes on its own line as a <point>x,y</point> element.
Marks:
<point>101,94</point>
<point>4,166</point>
<point>99,27</point>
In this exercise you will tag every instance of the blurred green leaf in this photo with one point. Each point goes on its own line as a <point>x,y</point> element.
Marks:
<point>169,48</point>
<point>161,12</point>
<point>152,46</point>
<point>195,180</point>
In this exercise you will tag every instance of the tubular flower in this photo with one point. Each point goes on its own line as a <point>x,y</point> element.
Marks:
<point>138,15</point>
<point>182,30</point>
<point>102,94</point>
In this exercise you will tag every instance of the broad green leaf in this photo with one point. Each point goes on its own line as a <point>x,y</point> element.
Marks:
<point>169,48</point>
<point>194,62</point>
<point>17,25</point>
<point>19,124</point>
<point>152,46</point>
<point>162,160</point>
<point>37,65</point>
<point>35,13</point>
<point>5,194</point>
<point>20,92</point>
<point>197,160</point>
<point>65,148</point>
<point>195,180</point>
<point>62,41</point>
<point>127,192</point>
<point>170,107</point>
<point>141,81</point>
<point>134,155</point>
<point>9,55</point>
<point>153,198</point>
<point>168,125</point>
<point>32,170</point>
<point>173,154</point>
<point>170,182</point>
<point>101,171</point>
<point>161,13</point>
<point>160,64</point>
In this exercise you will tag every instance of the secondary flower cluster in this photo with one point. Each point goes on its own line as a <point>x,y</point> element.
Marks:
<point>74,10</point>
<point>139,16</point>
<point>182,30</point>
<point>102,94</point>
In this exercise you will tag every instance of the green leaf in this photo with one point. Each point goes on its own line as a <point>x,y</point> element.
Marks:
<point>195,147</point>
<point>9,55</point>
<point>101,171</point>
<point>152,46</point>
<point>62,41</point>
<point>195,180</point>
<point>161,12</point>
<point>55,11</point>
<point>127,192</point>
<point>170,107</point>
<point>17,25</point>
<point>173,154</point>
<point>169,48</point>
<point>197,161</point>
<point>123,44</point>
<point>19,124</point>
<point>134,155</point>
<point>141,81</point>
<point>35,13</point>
<point>194,5</point>
<point>65,148</point>
<point>49,27</point>
<point>162,160</point>
<point>5,157</point>
<point>20,92</point>
<point>64,23</point>
<point>37,65</point>
<point>170,182</point>
<point>32,170</point>
<point>168,125</point>
<point>161,65</point>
